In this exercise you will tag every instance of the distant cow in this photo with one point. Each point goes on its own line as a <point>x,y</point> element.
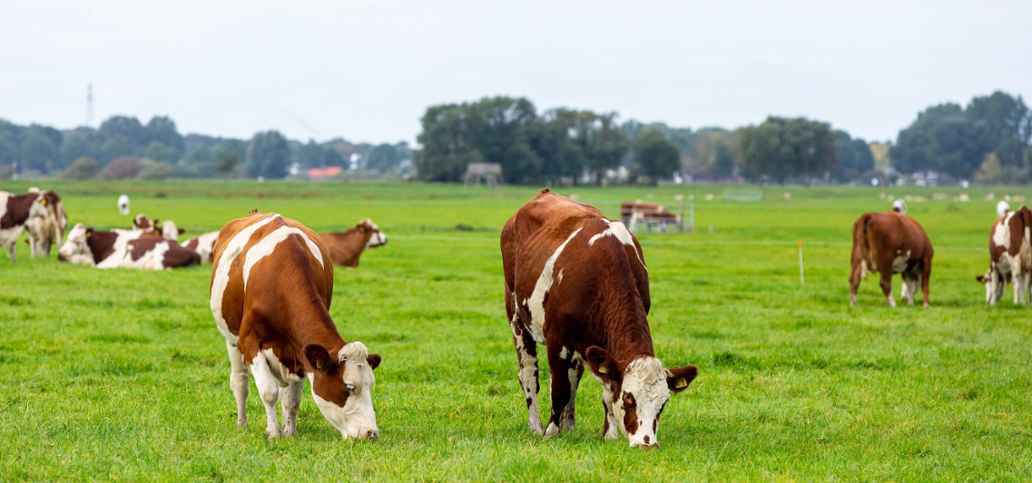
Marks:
<point>346,247</point>
<point>124,249</point>
<point>204,245</point>
<point>271,286</point>
<point>40,213</point>
<point>123,204</point>
<point>1010,255</point>
<point>899,206</point>
<point>577,283</point>
<point>890,243</point>
<point>168,229</point>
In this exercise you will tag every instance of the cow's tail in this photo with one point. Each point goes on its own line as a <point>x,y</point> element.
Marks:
<point>860,243</point>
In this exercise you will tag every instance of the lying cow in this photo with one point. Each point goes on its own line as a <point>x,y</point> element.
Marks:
<point>204,245</point>
<point>124,249</point>
<point>346,247</point>
<point>1010,255</point>
<point>40,213</point>
<point>577,283</point>
<point>890,243</point>
<point>168,229</point>
<point>271,285</point>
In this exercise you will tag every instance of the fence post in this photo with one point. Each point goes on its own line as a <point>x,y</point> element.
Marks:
<point>802,280</point>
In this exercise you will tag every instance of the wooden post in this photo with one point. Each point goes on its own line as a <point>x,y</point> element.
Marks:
<point>802,280</point>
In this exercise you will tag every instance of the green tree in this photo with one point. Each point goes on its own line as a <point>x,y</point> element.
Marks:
<point>854,157</point>
<point>268,155</point>
<point>38,151</point>
<point>153,169</point>
<point>82,168</point>
<point>655,156</point>
<point>781,149</point>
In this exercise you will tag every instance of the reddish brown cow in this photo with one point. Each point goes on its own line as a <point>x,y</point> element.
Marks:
<point>124,249</point>
<point>890,243</point>
<point>346,247</point>
<point>271,286</point>
<point>1010,255</point>
<point>577,283</point>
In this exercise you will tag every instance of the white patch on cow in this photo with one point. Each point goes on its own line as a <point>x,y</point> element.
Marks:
<point>357,418</point>
<point>536,303</point>
<point>620,232</point>
<point>899,263</point>
<point>646,380</point>
<point>268,389</point>
<point>1002,207</point>
<point>1001,235</point>
<point>120,257</point>
<point>169,230</point>
<point>153,259</point>
<point>559,278</point>
<point>268,244</point>
<point>205,245</point>
<point>279,371</point>
<point>564,353</point>
<point>221,278</point>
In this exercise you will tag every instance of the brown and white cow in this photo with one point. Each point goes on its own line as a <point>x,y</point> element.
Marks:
<point>124,249</point>
<point>1010,255</point>
<point>577,283</point>
<point>346,247</point>
<point>40,213</point>
<point>890,243</point>
<point>204,245</point>
<point>271,287</point>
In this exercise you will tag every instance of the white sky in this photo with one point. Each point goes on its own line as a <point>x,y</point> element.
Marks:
<point>367,70</point>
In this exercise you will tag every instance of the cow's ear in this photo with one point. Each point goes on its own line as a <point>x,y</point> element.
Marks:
<point>981,278</point>
<point>89,231</point>
<point>679,378</point>
<point>319,358</point>
<point>374,361</point>
<point>181,231</point>
<point>601,364</point>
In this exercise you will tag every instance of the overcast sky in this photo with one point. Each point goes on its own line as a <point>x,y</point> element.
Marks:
<point>367,70</point>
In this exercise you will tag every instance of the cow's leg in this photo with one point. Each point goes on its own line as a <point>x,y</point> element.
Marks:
<point>854,281</point>
<point>269,389</point>
<point>12,247</point>
<point>289,403</point>
<point>526,359</point>
<point>238,382</point>
<point>911,279</point>
<point>610,428</point>
<point>573,373</point>
<point>926,276</point>
<point>886,286</point>
<point>559,359</point>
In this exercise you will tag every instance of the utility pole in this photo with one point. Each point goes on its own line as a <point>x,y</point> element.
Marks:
<point>89,104</point>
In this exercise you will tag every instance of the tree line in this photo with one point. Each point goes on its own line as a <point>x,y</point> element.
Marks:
<point>987,140</point>
<point>123,147</point>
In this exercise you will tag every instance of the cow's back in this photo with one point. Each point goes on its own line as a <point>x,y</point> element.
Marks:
<point>243,262</point>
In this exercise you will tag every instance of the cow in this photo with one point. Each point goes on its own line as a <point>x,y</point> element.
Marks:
<point>123,204</point>
<point>899,206</point>
<point>1010,255</point>
<point>346,247</point>
<point>41,213</point>
<point>271,287</point>
<point>890,243</point>
<point>124,249</point>
<point>168,229</point>
<point>577,283</point>
<point>203,245</point>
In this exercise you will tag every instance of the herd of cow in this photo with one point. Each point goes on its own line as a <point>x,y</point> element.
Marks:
<point>148,244</point>
<point>575,282</point>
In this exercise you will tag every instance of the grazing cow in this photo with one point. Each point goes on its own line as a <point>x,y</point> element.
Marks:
<point>346,247</point>
<point>899,206</point>
<point>577,283</point>
<point>41,213</point>
<point>890,243</point>
<point>271,286</point>
<point>124,249</point>
<point>1010,255</point>
<point>123,204</point>
<point>204,245</point>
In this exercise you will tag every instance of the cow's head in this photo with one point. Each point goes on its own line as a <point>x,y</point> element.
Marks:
<point>75,248</point>
<point>169,230</point>
<point>342,386</point>
<point>123,204</point>
<point>141,222</point>
<point>376,237</point>
<point>639,392</point>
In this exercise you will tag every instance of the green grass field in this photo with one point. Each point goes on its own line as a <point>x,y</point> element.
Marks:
<point>122,374</point>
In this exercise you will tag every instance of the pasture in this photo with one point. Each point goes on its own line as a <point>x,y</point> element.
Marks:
<point>122,374</point>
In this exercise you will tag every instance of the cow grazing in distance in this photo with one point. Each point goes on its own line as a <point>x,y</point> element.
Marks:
<point>40,213</point>
<point>346,247</point>
<point>271,287</point>
<point>890,243</point>
<point>123,204</point>
<point>203,244</point>
<point>577,283</point>
<point>124,249</point>
<point>899,206</point>
<point>1010,255</point>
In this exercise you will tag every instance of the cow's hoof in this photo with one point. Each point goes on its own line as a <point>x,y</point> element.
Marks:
<point>551,431</point>
<point>242,423</point>
<point>273,434</point>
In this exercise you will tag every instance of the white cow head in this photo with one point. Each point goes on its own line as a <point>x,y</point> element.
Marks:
<point>638,394</point>
<point>75,248</point>
<point>376,237</point>
<point>123,204</point>
<point>342,387</point>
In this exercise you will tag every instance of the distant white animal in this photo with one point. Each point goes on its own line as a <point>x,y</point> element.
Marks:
<point>899,206</point>
<point>1002,207</point>
<point>123,204</point>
